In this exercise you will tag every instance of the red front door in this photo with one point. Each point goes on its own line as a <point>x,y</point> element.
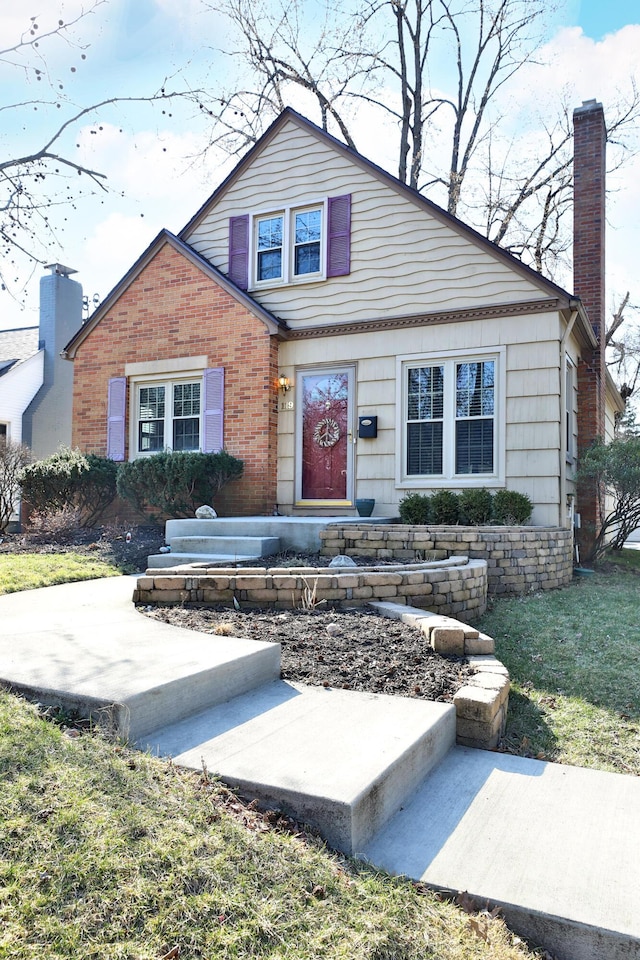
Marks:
<point>326,436</point>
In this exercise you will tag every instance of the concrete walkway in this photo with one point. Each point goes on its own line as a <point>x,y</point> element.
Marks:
<point>558,847</point>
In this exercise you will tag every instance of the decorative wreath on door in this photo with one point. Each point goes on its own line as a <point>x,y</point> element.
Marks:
<point>327,432</point>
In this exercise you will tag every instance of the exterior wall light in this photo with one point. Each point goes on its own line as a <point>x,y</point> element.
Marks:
<point>283,383</point>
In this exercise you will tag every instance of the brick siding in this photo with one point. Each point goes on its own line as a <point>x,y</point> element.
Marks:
<point>589,284</point>
<point>173,310</point>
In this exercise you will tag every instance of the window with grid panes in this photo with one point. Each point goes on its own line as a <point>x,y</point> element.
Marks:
<point>169,417</point>
<point>450,418</point>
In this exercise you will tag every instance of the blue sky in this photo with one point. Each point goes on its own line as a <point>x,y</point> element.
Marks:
<point>598,17</point>
<point>592,50</point>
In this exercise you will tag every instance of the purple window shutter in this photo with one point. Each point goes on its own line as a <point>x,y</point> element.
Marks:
<point>213,415</point>
<point>339,236</point>
<point>239,251</point>
<point>116,417</point>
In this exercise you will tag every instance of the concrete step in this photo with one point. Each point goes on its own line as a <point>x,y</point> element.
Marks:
<point>558,848</point>
<point>161,560</point>
<point>228,546</point>
<point>85,647</point>
<point>344,762</point>
<point>231,667</point>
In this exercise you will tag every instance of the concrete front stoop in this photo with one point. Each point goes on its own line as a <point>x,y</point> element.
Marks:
<point>557,847</point>
<point>242,539</point>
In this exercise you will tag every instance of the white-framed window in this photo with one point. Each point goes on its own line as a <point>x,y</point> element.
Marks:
<point>569,410</point>
<point>451,431</point>
<point>288,245</point>
<point>4,431</point>
<point>168,416</point>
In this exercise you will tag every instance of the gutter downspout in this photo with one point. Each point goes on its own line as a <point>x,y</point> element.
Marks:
<point>563,406</point>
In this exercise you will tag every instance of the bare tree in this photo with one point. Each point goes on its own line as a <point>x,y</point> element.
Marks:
<point>317,51</point>
<point>34,184</point>
<point>623,348</point>
<point>380,53</point>
<point>14,457</point>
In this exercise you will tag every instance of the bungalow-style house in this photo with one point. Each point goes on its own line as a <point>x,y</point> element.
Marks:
<point>348,338</point>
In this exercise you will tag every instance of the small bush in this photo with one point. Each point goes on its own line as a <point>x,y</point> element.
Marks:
<point>59,524</point>
<point>444,507</point>
<point>475,507</point>
<point>72,480</point>
<point>415,508</point>
<point>511,508</point>
<point>175,484</point>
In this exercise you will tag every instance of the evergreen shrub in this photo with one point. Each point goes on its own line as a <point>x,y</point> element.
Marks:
<point>174,485</point>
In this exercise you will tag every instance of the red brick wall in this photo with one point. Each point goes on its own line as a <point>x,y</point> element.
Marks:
<point>173,310</point>
<point>589,284</point>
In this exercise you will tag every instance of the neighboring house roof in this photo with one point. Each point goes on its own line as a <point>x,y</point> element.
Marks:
<point>273,324</point>
<point>17,345</point>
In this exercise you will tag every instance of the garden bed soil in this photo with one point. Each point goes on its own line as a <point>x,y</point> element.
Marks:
<point>352,650</point>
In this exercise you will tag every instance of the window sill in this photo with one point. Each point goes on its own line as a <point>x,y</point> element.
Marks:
<point>476,480</point>
<point>277,284</point>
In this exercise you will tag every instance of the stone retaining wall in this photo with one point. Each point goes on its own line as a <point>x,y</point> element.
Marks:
<point>519,559</point>
<point>456,587</point>
<point>482,704</point>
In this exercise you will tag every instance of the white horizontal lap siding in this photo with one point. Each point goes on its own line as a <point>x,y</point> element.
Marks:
<point>403,260</point>
<point>18,387</point>
<point>533,415</point>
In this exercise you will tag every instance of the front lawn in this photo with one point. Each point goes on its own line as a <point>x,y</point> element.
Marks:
<point>574,660</point>
<point>26,571</point>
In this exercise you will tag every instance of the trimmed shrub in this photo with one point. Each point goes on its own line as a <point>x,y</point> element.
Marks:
<point>69,479</point>
<point>444,507</point>
<point>174,485</point>
<point>415,508</point>
<point>511,508</point>
<point>475,507</point>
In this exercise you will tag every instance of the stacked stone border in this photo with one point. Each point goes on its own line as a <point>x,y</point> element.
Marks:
<point>482,704</point>
<point>519,559</point>
<point>449,586</point>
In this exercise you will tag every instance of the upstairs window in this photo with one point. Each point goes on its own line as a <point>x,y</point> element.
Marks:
<point>293,244</point>
<point>306,242</point>
<point>269,248</point>
<point>288,246</point>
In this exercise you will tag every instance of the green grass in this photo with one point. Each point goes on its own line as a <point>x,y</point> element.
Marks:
<point>108,853</point>
<point>574,660</point>
<point>26,571</point>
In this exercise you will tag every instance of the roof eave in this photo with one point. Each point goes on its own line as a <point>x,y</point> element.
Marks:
<point>273,324</point>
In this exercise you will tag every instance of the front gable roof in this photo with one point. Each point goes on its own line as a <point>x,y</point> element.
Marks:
<point>288,115</point>
<point>273,325</point>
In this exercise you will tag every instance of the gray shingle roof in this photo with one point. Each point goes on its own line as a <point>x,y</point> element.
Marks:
<point>17,345</point>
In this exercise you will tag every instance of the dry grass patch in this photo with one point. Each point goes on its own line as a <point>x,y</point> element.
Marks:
<point>27,571</point>
<point>107,853</point>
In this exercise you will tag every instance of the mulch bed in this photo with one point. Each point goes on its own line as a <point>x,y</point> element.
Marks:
<point>348,649</point>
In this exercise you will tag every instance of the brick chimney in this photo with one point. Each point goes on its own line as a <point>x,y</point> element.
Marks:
<point>589,173</point>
